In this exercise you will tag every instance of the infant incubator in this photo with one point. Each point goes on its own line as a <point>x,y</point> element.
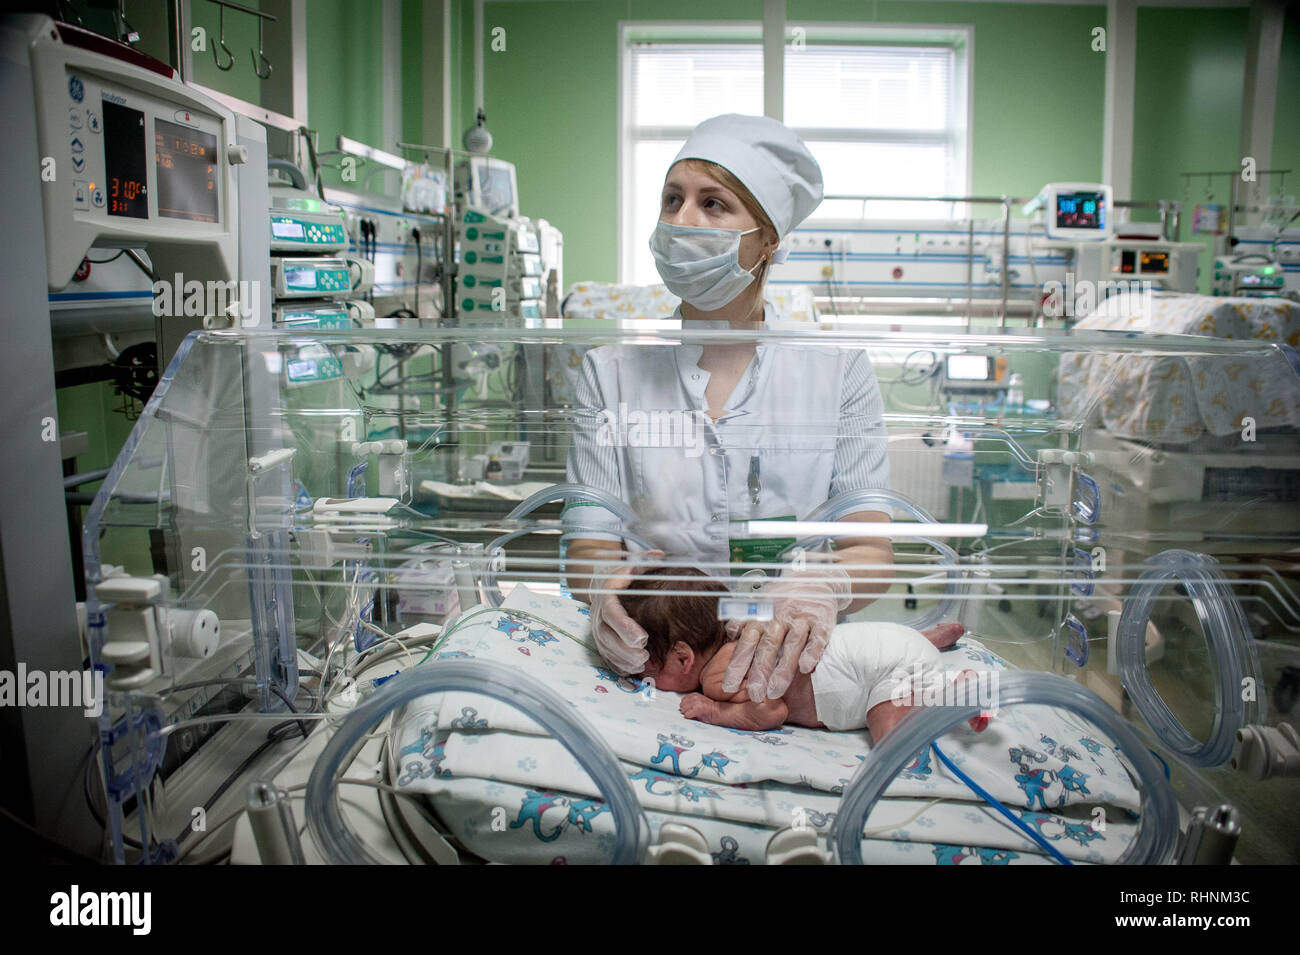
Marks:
<point>334,586</point>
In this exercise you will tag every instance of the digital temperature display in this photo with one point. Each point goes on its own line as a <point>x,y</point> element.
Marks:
<point>187,172</point>
<point>125,161</point>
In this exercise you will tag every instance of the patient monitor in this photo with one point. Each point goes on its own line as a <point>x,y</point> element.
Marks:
<point>1074,210</point>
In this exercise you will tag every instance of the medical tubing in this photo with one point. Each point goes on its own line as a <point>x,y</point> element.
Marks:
<point>569,493</point>
<point>1152,845</point>
<point>997,804</point>
<point>340,844</point>
<point>491,592</point>
<point>1231,644</point>
<point>549,495</point>
<point>866,499</point>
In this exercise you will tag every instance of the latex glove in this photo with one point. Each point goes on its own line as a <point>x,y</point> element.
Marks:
<point>620,640</point>
<point>805,605</point>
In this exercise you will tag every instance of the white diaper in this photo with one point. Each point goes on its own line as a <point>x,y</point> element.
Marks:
<point>863,665</point>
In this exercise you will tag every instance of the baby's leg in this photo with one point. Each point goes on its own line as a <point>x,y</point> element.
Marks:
<point>883,717</point>
<point>944,635</point>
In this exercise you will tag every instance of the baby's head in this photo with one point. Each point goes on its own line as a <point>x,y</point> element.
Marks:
<point>683,628</point>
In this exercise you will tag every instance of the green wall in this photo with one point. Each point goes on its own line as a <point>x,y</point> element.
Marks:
<point>1187,115</point>
<point>344,71</point>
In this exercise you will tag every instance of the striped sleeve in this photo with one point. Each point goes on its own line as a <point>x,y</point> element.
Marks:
<point>861,460</point>
<point>592,462</point>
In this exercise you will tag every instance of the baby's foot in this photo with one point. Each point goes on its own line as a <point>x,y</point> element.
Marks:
<point>697,706</point>
<point>978,723</point>
<point>945,634</point>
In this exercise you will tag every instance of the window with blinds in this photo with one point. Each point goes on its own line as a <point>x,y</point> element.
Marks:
<point>881,119</point>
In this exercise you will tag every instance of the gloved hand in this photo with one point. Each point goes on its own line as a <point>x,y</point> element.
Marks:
<point>805,605</point>
<point>620,640</point>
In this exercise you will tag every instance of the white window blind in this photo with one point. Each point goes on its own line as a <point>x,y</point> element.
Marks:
<point>672,88</point>
<point>881,119</point>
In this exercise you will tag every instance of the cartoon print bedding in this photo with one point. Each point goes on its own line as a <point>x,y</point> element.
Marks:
<point>510,793</point>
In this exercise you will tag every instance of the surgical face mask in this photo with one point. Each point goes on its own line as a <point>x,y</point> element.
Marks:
<point>701,266</point>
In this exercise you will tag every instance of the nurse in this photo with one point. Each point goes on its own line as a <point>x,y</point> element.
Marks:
<point>777,430</point>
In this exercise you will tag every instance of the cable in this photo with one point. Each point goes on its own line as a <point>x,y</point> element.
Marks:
<point>877,830</point>
<point>274,736</point>
<point>419,265</point>
<point>830,287</point>
<point>916,377</point>
<point>315,160</point>
<point>992,801</point>
<point>135,257</point>
<point>1160,760</point>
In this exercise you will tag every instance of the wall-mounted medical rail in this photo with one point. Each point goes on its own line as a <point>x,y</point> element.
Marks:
<point>1170,215</point>
<point>1004,201</point>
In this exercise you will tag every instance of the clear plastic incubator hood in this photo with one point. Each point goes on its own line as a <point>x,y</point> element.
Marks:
<point>348,580</point>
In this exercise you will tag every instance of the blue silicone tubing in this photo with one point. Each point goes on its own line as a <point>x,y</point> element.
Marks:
<point>1157,831</point>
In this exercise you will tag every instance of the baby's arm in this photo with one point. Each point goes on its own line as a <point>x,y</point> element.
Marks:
<point>736,710</point>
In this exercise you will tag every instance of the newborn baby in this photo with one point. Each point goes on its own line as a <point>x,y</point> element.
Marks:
<point>858,682</point>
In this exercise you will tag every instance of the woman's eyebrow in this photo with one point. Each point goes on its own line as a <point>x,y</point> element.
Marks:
<point>709,189</point>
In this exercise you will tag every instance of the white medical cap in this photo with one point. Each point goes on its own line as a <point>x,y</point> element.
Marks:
<point>771,161</point>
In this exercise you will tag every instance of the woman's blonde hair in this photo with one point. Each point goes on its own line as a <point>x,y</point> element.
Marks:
<point>724,176</point>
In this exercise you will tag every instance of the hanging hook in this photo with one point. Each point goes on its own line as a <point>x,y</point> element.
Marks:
<point>222,44</point>
<point>125,32</point>
<point>259,58</point>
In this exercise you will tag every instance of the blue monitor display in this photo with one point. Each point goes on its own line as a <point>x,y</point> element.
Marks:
<point>1081,210</point>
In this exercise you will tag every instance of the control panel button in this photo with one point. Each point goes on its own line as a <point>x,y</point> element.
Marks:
<point>92,121</point>
<point>80,194</point>
<point>97,198</point>
<point>78,163</point>
<point>77,145</point>
<point>74,118</point>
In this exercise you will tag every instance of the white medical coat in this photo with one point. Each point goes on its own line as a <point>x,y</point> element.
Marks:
<point>804,423</point>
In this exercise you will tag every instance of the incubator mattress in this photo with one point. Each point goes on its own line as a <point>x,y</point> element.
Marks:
<point>512,794</point>
<point>1175,400</point>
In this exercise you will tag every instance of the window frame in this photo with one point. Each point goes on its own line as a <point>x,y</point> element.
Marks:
<point>960,38</point>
